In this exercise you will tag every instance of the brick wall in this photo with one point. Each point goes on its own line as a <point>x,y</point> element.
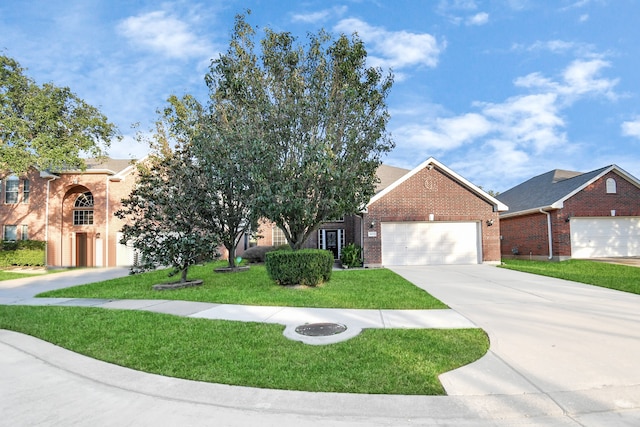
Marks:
<point>529,233</point>
<point>431,192</point>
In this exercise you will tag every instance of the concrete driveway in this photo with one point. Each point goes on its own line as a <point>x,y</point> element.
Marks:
<point>575,344</point>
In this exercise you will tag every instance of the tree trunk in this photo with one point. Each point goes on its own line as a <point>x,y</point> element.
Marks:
<point>231,249</point>
<point>183,275</point>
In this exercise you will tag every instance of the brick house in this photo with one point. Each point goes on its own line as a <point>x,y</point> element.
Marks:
<point>71,210</point>
<point>428,215</point>
<point>564,214</point>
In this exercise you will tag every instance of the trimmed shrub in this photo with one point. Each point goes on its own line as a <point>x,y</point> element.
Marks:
<point>351,256</point>
<point>22,253</point>
<point>256,254</point>
<point>309,267</point>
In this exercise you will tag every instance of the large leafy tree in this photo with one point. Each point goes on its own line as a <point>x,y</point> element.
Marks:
<point>160,211</point>
<point>46,126</point>
<point>220,159</point>
<point>320,115</point>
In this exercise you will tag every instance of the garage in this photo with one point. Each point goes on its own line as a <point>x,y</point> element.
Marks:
<point>430,243</point>
<point>605,237</point>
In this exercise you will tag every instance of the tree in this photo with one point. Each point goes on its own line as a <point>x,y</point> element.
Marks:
<point>160,210</point>
<point>220,161</point>
<point>320,116</point>
<point>46,126</point>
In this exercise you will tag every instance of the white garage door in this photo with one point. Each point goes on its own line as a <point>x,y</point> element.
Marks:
<point>605,237</point>
<point>425,243</point>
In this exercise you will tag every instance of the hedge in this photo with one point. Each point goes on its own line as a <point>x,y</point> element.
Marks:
<point>309,267</point>
<point>22,253</point>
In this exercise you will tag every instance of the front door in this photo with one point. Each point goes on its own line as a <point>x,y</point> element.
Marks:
<point>332,242</point>
<point>81,249</point>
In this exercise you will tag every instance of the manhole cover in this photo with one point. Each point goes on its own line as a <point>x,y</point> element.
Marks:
<point>321,329</point>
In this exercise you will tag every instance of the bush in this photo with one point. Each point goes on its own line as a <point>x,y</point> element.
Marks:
<point>256,254</point>
<point>351,256</point>
<point>22,253</point>
<point>309,267</point>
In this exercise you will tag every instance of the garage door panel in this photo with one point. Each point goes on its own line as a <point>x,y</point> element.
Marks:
<point>417,243</point>
<point>605,237</point>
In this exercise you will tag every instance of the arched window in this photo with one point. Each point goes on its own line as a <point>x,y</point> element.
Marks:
<point>611,186</point>
<point>83,212</point>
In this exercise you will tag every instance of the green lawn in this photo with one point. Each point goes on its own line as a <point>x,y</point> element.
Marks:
<point>10,275</point>
<point>613,276</point>
<point>372,288</point>
<point>405,361</point>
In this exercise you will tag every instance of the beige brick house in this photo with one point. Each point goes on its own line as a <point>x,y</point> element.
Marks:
<point>428,215</point>
<point>71,210</point>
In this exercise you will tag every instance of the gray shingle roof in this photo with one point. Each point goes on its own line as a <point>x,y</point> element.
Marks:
<point>544,190</point>
<point>388,175</point>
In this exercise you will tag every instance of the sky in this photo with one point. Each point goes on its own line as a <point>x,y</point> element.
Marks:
<point>497,90</point>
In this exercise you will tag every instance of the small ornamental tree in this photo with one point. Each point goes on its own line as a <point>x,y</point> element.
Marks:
<point>46,126</point>
<point>160,211</point>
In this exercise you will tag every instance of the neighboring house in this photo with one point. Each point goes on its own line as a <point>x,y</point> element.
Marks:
<point>72,211</point>
<point>563,214</point>
<point>428,215</point>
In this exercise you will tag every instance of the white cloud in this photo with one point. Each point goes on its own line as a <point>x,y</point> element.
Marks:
<point>478,19</point>
<point>631,128</point>
<point>320,16</point>
<point>581,77</point>
<point>165,34</point>
<point>394,49</point>
<point>584,17</point>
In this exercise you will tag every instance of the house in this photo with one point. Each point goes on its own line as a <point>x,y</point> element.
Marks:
<point>564,214</point>
<point>428,215</point>
<point>72,210</point>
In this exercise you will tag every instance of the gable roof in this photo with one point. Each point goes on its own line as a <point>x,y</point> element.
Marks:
<point>550,190</point>
<point>431,163</point>
<point>388,175</point>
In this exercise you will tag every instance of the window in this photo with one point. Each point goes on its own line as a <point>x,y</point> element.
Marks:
<point>611,186</point>
<point>83,212</point>
<point>25,191</point>
<point>25,232</point>
<point>11,232</point>
<point>278,237</point>
<point>11,190</point>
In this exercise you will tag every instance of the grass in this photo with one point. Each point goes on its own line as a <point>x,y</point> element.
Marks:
<point>251,354</point>
<point>10,275</point>
<point>612,276</point>
<point>365,289</point>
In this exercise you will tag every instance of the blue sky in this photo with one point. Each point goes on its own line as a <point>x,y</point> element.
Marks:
<point>498,90</point>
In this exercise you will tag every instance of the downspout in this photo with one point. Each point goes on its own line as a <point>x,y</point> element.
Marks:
<point>46,224</point>
<point>549,232</point>
<point>106,234</point>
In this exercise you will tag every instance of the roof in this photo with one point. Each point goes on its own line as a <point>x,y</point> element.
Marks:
<point>549,190</point>
<point>388,175</point>
<point>115,168</point>
<point>430,163</point>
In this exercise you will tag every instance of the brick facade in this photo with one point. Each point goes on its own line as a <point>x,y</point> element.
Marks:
<point>431,192</point>
<point>529,233</point>
<point>48,215</point>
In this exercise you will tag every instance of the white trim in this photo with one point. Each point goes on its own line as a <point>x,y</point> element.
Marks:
<point>498,205</point>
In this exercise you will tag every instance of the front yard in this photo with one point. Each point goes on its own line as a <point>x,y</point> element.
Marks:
<point>389,361</point>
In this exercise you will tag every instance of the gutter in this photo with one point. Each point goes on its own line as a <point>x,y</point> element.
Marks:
<point>549,232</point>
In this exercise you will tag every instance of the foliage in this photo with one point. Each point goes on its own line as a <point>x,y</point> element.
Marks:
<point>351,256</point>
<point>620,277</point>
<point>22,257</point>
<point>46,126</point>
<point>256,254</point>
<point>22,244</point>
<point>389,361</point>
<point>160,212</point>
<point>315,118</point>
<point>309,267</point>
